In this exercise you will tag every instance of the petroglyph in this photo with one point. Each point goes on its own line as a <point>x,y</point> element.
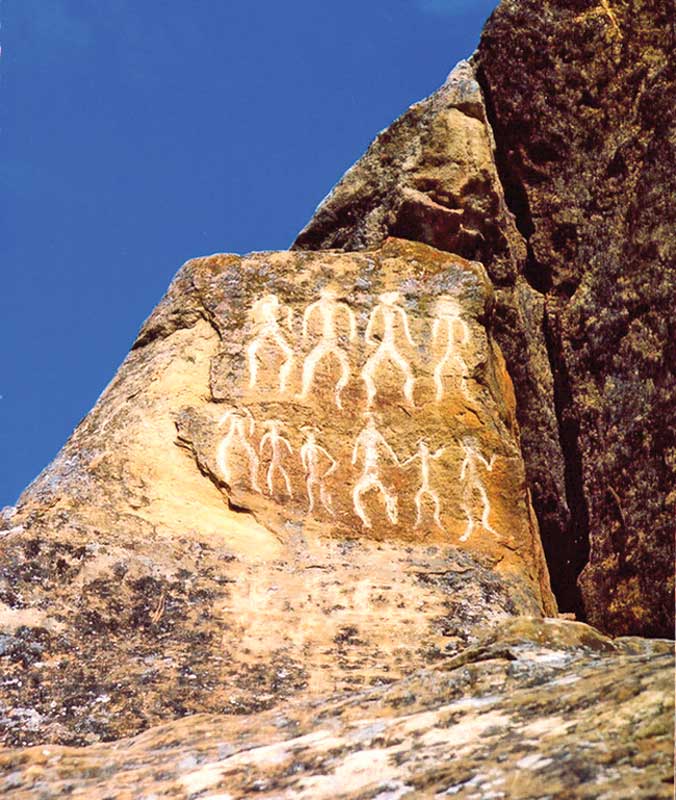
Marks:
<point>386,350</point>
<point>312,455</point>
<point>329,310</point>
<point>267,313</point>
<point>472,485</point>
<point>273,439</point>
<point>241,425</point>
<point>425,489</point>
<point>449,324</point>
<point>369,442</point>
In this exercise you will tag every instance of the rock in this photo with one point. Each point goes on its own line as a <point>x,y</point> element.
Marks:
<point>580,248</point>
<point>582,99</point>
<point>298,447</point>
<point>431,177</point>
<point>537,708</point>
<point>292,551</point>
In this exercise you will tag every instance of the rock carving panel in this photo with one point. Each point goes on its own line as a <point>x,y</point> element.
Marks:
<point>349,400</point>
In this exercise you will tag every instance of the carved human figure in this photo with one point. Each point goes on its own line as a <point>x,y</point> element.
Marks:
<point>328,309</point>
<point>425,489</point>
<point>472,484</point>
<point>449,324</point>
<point>241,425</point>
<point>273,439</point>
<point>314,458</point>
<point>389,311</point>
<point>267,313</point>
<point>369,442</point>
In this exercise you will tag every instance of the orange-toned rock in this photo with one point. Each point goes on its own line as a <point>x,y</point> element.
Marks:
<point>304,478</point>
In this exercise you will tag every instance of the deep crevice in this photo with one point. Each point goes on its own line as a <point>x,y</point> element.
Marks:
<point>575,546</point>
<point>567,549</point>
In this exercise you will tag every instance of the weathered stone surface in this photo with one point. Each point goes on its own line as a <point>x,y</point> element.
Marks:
<point>584,271</point>
<point>536,708</point>
<point>231,525</point>
<point>431,176</point>
<point>582,97</point>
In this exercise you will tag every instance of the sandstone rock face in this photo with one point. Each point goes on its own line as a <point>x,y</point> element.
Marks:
<point>583,104</point>
<point>432,177</point>
<point>291,551</point>
<point>581,252</point>
<point>299,447</point>
<point>535,709</point>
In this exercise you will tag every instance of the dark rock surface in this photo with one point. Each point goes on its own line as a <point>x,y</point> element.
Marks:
<point>582,99</point>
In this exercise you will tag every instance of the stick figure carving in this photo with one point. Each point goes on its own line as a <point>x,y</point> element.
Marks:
<point>386,350</point>
<point>311,457</point>
<point>450,324</point>
<point>329,309</point>
<point>425,489</point>
<point>241,425</point>
<point>369,441</point>
<point>273,439</point>
<point>266,314</point>
<point>472,484</point>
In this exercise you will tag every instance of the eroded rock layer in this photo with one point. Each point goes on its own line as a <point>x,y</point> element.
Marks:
<point>300,448</point>
<point>535,709</point>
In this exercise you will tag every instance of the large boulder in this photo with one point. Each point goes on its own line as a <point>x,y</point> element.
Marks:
<point>305,477</point>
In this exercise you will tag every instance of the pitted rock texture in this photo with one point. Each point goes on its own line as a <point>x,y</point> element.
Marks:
<point>536,708</point>
<point>582,99</point>
<point>431,177</point>
<point>229,528</point>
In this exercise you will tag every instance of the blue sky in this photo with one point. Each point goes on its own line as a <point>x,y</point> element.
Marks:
<point>136,135</point>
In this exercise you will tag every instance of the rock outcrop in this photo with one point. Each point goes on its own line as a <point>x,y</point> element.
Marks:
<point>299,447</point>
<point>582,99</point>
<point>292,550</point>
<point>574,102</point>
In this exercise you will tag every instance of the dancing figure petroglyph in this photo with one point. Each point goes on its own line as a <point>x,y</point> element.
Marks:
<point>328,308</point>
<point>369,441</point>
<point>450,324</point>
<point>241,425</point>
<point>472,484</point>
<point>273,438</point>
<point>311,457</point>
<point>390,311</point>
<point>266,314</point>
<point>425,489</point>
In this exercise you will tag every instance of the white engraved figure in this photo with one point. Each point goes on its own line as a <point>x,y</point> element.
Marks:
<point>266,314</point>
<point>276,441</point>
<point>240,426</point>
<point>425,489</point>
<point>450,324</point>
<point>368,441</point>
<point>386,348</point>
<point>469,474</point>
<point>328,308</point>
<point>311,457</point>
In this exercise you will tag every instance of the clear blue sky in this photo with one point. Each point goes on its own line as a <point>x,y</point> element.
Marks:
<point>137,134</point>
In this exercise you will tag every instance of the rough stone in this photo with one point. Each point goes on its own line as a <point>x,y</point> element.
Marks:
<point>536,708</point>
<point>231,524</point>
<point>432,177</point>
<point>582,99</point>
